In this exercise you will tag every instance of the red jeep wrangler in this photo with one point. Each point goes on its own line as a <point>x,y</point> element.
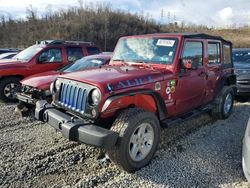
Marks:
<point>44,56</point>
<point>153,80</point>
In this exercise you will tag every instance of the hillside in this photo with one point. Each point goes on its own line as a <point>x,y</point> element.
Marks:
<point>100,25</point>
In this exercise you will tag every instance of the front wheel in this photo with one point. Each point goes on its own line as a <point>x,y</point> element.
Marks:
<point>224,104</point>
<point>8,88</point>
<point>139,135</point>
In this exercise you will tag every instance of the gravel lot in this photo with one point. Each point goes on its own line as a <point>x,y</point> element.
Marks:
<point>197,153</point>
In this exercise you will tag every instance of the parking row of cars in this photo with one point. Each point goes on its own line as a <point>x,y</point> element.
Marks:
<point>241,60</point>
<point>120,101</point>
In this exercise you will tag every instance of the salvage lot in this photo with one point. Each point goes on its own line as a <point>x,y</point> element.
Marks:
<point>197,153</point>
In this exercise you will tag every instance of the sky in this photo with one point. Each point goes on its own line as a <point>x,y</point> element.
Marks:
<point>212,13</point>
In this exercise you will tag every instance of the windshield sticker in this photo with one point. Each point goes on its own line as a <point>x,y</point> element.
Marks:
<point>170,53</point>
<point>96,61</point>
<point>163,42</point>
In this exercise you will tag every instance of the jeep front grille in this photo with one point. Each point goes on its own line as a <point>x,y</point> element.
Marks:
<point>73,97</point>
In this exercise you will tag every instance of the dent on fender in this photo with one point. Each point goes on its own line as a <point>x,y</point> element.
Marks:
<point>142,100</point>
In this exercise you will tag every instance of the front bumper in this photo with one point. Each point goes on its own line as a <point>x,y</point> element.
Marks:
<point>73,128</point>
<point>31,100</point>
<point>246,153</point>
<point>243,84</point>
<point>243,90</point>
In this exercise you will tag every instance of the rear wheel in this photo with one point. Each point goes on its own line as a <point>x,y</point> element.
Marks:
<point>224,104</point>
<point>139,135</point>
<point>8,88</point>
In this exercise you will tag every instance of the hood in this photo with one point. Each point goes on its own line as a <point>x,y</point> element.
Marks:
<point>117,77</point>
<point>241,65</point>
<point>9,63</point>
<point>42,80</point>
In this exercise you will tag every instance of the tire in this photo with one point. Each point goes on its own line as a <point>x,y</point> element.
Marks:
<point>128,151</point>
<point>224,104</point>
<point>8,87</point>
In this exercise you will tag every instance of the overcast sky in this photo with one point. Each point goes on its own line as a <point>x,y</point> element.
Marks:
<point>217,13</point>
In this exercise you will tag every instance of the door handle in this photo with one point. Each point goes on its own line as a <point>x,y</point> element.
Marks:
<point>202,73</point>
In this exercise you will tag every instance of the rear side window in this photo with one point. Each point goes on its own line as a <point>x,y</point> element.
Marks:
<point>214,53</point>
<point>74,53</point>
<point>227,54</point>
<point>93,50</point>
<point>193,50</point>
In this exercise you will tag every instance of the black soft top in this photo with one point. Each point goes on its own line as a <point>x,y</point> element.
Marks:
<point>206,36</point>
<point>197,36</point>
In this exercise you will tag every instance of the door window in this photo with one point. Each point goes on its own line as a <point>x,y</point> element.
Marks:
<point>50,56</point>
<point>93,50</point>
<point>193,50</point>
<point>214,53</point>
<point>74,53</point>
<point>227,54</point>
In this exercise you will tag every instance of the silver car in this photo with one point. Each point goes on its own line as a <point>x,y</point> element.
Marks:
<point>246,152</point>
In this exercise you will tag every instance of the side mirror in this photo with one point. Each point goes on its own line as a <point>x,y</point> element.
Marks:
<point>188,64</point>
<point>42,59</point>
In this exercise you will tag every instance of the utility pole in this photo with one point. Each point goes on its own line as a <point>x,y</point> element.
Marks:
<point>162,14</point>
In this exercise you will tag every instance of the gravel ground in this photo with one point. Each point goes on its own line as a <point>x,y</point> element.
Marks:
<point>197,153</point>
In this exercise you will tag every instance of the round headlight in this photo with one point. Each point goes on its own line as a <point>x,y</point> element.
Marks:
<point>57,85</point>
<point>95,97</point>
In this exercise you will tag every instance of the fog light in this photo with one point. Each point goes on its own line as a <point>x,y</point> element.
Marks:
<point>47,93</point>
<point>93,112</point>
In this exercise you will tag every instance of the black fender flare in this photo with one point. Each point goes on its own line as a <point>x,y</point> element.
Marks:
<point>161,107</point>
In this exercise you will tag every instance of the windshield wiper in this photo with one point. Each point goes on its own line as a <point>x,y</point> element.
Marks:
<point>144,64</point>
<point>123,61</point>
<point>133,62</point>
<point>118,60</point>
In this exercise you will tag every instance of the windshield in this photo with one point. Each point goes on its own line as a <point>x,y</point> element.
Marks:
<point>241,56</point>
<point>83,63</point>
<point>28,53</point>
<point>146,50</point>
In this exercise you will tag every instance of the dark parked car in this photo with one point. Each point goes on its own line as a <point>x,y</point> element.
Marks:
<point>241,60</point>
